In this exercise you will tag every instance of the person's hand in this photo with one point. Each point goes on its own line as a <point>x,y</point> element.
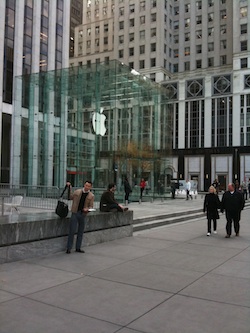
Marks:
<point>85,210</point>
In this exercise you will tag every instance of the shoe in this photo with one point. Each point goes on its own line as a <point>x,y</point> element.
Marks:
<point>125,209</point>
<point>215,232</point>
<point>80,251</point>
<point>227,236</point>
<point>68,251</point>
<point>237,234</point>
<point>208,234</point>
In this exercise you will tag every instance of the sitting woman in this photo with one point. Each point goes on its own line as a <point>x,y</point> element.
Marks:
<point>108,202</point>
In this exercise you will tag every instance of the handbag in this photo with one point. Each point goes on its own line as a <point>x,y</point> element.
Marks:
<point>62,208</point>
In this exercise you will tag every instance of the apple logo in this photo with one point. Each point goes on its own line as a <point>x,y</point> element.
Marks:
<point>98,122</point>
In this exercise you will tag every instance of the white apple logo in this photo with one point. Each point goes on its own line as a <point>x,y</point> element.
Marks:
<point>98,122</point>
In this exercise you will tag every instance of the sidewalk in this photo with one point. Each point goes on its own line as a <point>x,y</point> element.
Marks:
<point>172,279</point>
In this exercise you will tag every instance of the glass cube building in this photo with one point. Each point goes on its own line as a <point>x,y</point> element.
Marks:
<point>99,122</point>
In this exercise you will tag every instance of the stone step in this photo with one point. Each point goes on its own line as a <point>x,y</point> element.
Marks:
<point>153,223</point>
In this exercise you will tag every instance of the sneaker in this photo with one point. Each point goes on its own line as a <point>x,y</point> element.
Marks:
<point>237,234</point>
<point>208,234</point>
<point>227,236</point>
<point>215,232</point>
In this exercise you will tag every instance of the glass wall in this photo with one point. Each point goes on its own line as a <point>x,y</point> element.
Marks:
<point>100,122</point>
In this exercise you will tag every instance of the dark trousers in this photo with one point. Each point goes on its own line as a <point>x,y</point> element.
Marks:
<point>142,189</point>
<point>235,218</point>
<point>209,222</point>
<point>126,196</point>
<point>76,219</point>
<point>188,195</point>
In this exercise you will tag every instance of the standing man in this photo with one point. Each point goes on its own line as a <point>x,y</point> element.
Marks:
<point>83,200</point>
<point>233,203</point>
<point>127,189</point>
<point>188,189</point>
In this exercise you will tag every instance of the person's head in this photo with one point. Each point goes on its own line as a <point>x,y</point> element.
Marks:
<point>111,187</point>
<point>212,189</point>
<point>231,187</point>
<point>87,185</point>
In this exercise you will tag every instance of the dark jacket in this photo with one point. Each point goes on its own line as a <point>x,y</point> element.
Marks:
<point>127,187</point>
<point>232,202</point>
<point>107,199</point>
<point>211,205</point>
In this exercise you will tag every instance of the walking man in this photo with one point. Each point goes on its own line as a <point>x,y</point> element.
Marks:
<point>232,203</point>
<point>83,200</point>
<point>188,189</point>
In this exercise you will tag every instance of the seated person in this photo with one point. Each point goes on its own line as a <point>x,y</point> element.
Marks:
<point>108,202</point>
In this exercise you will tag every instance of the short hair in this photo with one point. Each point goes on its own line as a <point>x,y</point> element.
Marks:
<point>111,185</point>
<point>213,188</point>
<point>88,181</point>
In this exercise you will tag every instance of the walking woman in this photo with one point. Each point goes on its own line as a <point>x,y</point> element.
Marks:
<point>211,206</point>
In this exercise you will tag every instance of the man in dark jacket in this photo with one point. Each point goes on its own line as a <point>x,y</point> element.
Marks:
<point>108,202</point>
<point>233,203</point>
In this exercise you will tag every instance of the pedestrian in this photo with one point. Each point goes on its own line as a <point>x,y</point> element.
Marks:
<point>211,206</point>
<point>108,202</point>
<point>216,185</point>
<point>173,189</point>
<point>127,189</point>
<point>83,200</point>
<point>232,203</point>
<point>188,189</point>
<point>248,188</point>
<point>244,190</point>
<point>142,186</point>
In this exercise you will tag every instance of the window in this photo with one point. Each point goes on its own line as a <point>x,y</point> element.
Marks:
<point>97,13</point>
<point>132,22</point>
<point>210,32</point>
<point>210,47</point>
<point>176,11</point>
<point>210,17</point>
<point>88,31</point>
<point>105,40</point>
<point>198,34</point>
<point>131,37</point>
<point>153,3</point>
<point>153,62</point>
<point>153,32</point>
<point>132,8</point>
<point>198,19</point>
<point>210,62</point>
<point>223,2</point>
<point>106,28</point>
<point>88,44</point>
<point>243,45</point>
<point>187,8</point>
<point>153,17</point>
<point>210,3</point>
<point>153,47</point>
<point>198,5</point>
<point>243,63</point>
<point>243,12</point>
<point>142,6</point>
<point>121,11</point>
<point>104,11</point>
<point>243,29</point>
<point>131,51</point>
<point>142,19</point>
<point>142,34</point>
<point>198,49</point>
<point>187,51</point>
<point>121,25</point>
<point>187,66</point>
<point>175,68</point>
<point>121,53</point>
<point>176,25</point>
<point>247,82</point>
<point>187,36</point>
<point>141,64</point>
<point>223,14</point>
<point>142,49</point>
<point>131,65</point>
<point>223,44</point>
<point>97,42</point>
<point>187,22</point>
<point>223,60</point>
<point>198,63</point>
<point>152,76</point>
<point>121,39</point>
<point>176,53</point>
<point>223,29</point>
<point>97,30</point>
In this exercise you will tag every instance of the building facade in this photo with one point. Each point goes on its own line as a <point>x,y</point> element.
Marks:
<point>200,51</point>
<point>34,38</point>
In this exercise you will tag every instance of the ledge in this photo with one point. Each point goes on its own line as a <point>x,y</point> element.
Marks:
<point>24,236</point>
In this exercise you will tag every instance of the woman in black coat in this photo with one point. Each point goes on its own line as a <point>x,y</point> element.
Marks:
<point>211,206</point>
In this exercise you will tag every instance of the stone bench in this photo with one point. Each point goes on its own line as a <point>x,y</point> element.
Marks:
<point>28,235</point>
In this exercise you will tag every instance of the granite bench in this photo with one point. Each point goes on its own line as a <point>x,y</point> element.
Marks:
<point>28,235</point>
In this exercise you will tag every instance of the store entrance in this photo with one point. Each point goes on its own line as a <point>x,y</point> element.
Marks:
<point>222,179</point>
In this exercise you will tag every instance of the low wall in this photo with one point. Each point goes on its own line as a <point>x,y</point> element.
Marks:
<point>26,236</point>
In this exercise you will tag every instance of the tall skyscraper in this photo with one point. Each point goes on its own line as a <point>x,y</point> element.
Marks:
<point>34,37</point>
<point>200,51</point>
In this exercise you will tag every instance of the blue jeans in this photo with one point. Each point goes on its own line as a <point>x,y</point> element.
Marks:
<point>76,218</point>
